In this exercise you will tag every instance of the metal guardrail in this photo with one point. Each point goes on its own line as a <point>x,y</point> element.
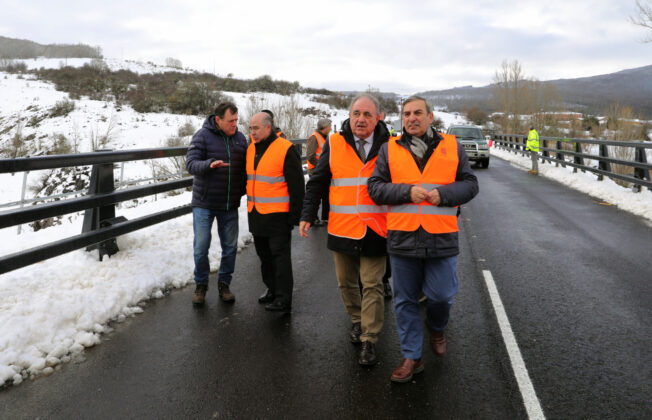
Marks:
<point>575,158</point>
<point>100,226</point>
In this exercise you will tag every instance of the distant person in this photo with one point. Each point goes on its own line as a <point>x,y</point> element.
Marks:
<point>314,147</point>
<point>383,115</point>
<point>423,176</point>
<point>216,158</point>
<point>533,147</point>
<point>275,129</point>
<point>275,190</point>
<point>356,225</point>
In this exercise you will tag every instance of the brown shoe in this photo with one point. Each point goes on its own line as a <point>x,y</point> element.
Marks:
<point>200,295</point>
<point>438,342</point>
<point>408,367</point>
<point>225,292</point>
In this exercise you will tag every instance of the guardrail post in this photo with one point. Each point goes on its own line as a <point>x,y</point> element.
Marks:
<point>545,152</point>
<point>101,182</point>
<point>579,160</point>
<point>641,173</point>
<point>560,155</point>
<point>605,166</point>
<point>22,196</point>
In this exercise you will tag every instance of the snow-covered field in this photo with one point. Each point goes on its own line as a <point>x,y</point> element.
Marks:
<point>51,311</point>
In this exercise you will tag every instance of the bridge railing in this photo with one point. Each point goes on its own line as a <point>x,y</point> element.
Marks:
<point>573,152</point>
<point>100,225</point>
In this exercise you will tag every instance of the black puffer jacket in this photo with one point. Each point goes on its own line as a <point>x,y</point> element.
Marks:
<point>372,245</point>
<point>219,188</point>
<point>421,243</point>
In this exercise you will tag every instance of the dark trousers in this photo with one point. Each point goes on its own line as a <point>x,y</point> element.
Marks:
<point>276,265</point>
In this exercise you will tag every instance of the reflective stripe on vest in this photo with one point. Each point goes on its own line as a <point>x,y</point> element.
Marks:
<point>352,211</point>
<point>267,189</point>
<point>320,145</point>
<point>440,170</point>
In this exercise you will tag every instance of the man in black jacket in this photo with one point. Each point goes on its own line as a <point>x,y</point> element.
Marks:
<point>356,226</point>
<point>275,190</point>
<point>423,176</point>
<point>216,158</point>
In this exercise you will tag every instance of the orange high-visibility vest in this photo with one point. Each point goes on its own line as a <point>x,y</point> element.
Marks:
<point>267,189</point>
<point>320,143</point>
<point>440,170</point>
<point>351,208</point>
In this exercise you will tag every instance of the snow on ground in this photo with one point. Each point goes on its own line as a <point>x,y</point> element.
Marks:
<point>607,190</point>
<point>51,311</point>
<point>24,98</point>
<point>114,64</point>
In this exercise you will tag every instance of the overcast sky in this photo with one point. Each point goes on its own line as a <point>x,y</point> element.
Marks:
<point>402,46</point>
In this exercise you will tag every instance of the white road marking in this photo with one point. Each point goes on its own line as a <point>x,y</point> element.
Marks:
<point>532,405</point>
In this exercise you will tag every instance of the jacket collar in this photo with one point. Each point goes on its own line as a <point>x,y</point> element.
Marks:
<point>381,135</point>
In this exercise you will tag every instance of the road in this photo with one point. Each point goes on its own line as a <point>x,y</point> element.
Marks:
<point>574,277</point>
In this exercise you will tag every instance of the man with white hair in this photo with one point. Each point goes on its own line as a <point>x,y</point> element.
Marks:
<point>356,226</point>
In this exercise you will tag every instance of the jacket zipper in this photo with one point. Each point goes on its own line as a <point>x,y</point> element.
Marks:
<point>228,188</point>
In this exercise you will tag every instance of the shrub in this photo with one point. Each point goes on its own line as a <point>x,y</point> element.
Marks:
<point>477,116</point>
<point>186,129</point>
<point>62,108</point>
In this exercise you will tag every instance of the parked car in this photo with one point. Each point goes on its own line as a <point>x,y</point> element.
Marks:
<point>474,142</point>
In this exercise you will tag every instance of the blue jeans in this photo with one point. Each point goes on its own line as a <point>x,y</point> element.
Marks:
<point>437,278</point>
<point>227,230</point>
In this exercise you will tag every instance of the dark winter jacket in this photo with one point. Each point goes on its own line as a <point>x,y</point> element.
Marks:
<point>219,188</point>
<point>273,224</point>
<point>421,243</point>
<point>372,244</point>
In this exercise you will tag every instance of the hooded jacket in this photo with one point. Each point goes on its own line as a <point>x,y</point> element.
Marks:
<point>219,188</point>
<point>372,244</point>
<point>420,243</point>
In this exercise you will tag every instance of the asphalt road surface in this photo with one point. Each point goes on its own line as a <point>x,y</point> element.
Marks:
<point>574,277</point>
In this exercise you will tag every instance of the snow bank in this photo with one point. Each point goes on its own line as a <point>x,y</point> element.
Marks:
<point>51,311</point>
<point>606,190</point>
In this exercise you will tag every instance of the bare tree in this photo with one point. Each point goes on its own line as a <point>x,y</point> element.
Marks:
<point>644,16</point>
<point>507,93</point>
<point>174,63</point>
<point>517,96</point>
<point>288,115</point>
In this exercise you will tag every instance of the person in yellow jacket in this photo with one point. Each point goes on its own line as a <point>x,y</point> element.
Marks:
<point>356,225</point>
<point>423,177</point>
<point>533,147</point>
<point>275,190</point>
<point>314,147</point>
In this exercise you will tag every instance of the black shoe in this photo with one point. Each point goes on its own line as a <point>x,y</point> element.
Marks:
<point>354,334</point>
<point>266,297</point>
<point>368,354</point>
<point>278,306</point>
<point>388,290</point>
